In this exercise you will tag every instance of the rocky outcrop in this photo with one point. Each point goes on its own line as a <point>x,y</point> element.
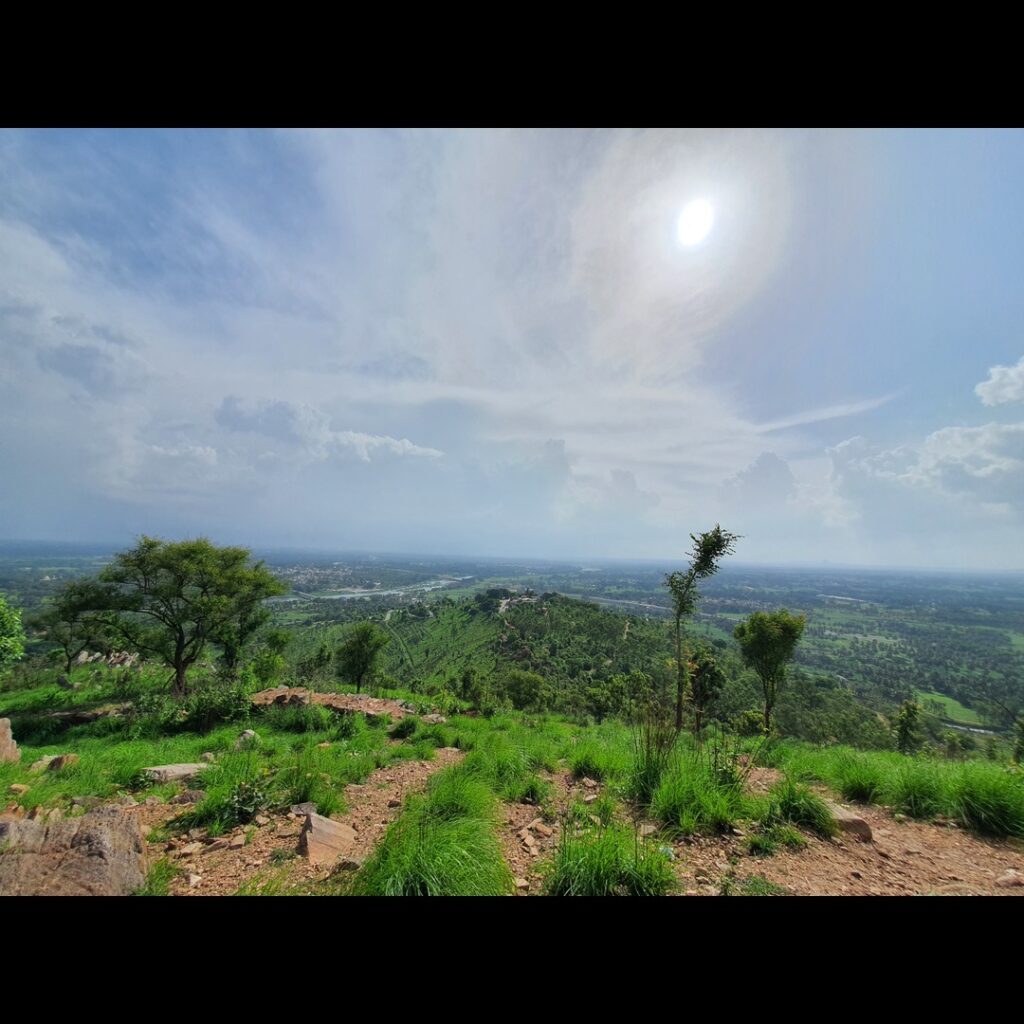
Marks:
<point>98,854</point>
<point>9,751</point>
<point>174,772</point>
<point>342,703</point>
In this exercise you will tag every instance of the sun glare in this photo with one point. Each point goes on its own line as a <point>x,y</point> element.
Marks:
<point>695,222</point>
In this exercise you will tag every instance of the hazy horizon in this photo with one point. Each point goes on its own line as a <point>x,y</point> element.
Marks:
<point>517,344</point>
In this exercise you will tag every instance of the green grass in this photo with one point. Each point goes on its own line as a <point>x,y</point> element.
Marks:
<point>159,878</point>
<point>988,800</point>
<point>952,709</point>
<point>428,856</point>
<point>599,757</point>
<point>792,803</point>
<point>858,777</point>
<point>691,800</point>
<point>753,886</point>
<point>456,793</point>
<point>608,862</point>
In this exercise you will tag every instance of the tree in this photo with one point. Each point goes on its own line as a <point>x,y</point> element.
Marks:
<point>12,635</point>
<point>706,681</point>
<point>768,642</point>
<point>79,618</point>
<point>707,549</point>
<point>176,597</point>
<point>905,727</point>
<point>356,659</point>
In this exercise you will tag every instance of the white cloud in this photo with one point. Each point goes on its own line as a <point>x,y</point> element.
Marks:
<point>1004,384</point>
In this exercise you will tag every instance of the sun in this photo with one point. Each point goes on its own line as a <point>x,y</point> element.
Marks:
<point>695,222</point>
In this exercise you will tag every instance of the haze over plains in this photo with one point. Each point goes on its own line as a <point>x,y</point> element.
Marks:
<point>514,343</point>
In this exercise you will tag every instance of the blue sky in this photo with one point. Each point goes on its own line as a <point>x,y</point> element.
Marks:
<point>493,342</point>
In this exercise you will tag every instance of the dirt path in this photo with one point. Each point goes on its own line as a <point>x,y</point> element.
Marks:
<point>272,849</point>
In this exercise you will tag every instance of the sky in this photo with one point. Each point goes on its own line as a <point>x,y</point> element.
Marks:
<point>507,342</point>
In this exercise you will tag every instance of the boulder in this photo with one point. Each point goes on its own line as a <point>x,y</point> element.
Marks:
<point>323,841</point>
<point>62,761</point>
<point>9,752</point>
<point>98,854</point>
<point>850,822</point>
<point>246,739</point>
<point>189,796</point>
<point>174,772</point>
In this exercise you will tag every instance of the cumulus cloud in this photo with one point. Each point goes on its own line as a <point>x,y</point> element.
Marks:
<point>1004,384</point>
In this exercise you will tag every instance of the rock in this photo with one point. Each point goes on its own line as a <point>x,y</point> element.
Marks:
<point>394,802</point>
<point>43,763</point>
<point>647,829</point>
<point>207,756</point>
<point>188,796</point>
<point>590,783</point>
<point>174,772</point>
<point>194,880</point>
<point>1010,878</point>
<point>850,822</point>
<point>856,874</point>
<point>15,810</point>
<point>61,761</point>
<point>246,739</point>
<point>590,799</point>
<point>236,843</point>
<point>309,807</point>
<point>153,801</point>
<point>126,801</point>
<point>522,884</point>
<point>191,849</point>
<point>435,719</point>
<point>261,820</point>
<point>88,802</point>
<point>543,830</point>
<point>349,864</point>
<point>19,788</point>
<point>220,843</point>
<point>324,841</point>
<point>99,854</point>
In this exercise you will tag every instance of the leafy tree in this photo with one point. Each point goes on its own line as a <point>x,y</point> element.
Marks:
<point>706,681</point>
<point>79,618</point>
<point>12,634</point>
<point>356,659</point>
<point>707,549</point>
<point>907,740</point>
<point>176,597</point>
<point>768,643</point>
